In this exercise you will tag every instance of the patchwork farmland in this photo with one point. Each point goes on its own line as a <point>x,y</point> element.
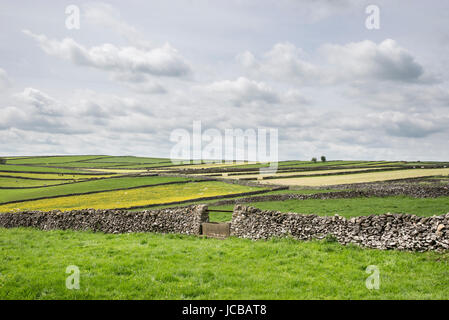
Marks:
<point>172,266</point>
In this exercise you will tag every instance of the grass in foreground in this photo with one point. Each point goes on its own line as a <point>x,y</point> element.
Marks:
<point>154,266</point>
<point>349,207</point>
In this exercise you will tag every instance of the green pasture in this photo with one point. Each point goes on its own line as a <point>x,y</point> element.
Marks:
<point>56,176</point>
<point>351,207</point>
<point>154,266</point>
<point>130,160</point>
<point>133,197</point>
<point>50,160</point>
<point>29,168</point>
<point>83,187</point>
<point>15,182</point>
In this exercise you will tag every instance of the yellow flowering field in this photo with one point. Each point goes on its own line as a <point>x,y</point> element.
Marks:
<point>132,197</point>
<point>358,177</point>
<point>295,173</point>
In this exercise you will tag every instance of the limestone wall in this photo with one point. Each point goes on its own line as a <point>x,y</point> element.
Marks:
<point>386,231</point>
<point>185,220</point>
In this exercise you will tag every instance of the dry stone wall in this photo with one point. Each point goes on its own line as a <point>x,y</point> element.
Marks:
<point>386,231</point>
<point>429,190</point>
<point>185,220</point>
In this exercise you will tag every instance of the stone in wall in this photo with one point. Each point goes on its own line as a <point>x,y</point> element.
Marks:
<point>386,231</point>
<point>184,220</point>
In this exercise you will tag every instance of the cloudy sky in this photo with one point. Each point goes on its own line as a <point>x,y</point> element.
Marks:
<point>137,70</point>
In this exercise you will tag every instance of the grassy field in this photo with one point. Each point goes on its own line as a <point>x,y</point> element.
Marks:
<point>320,164</point>
<point>84,164</point>
<point>146,166</point>
<point>225,216</point>
<point>55,160</point>
<point>112,165</point>
<point>17,182</point>
<point>55,176</point>
<point>302,173</point>
<point>153,266</point>
<point>23,168</point>
<point>352,207</point>
<point>118,171</point>
<point>84,187</point>
<point>130,160</point>
<point>358,177</point>
<point>132,197</point>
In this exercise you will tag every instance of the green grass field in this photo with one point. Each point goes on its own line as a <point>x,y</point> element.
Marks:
<point>298,174</point>
<point>85,164</point>
<point>55,160</point>
<point>130,160</point>
<point>55,176</point>
<point>17,182</point>
<point>154,266</point>
<point>23,168</point>
<point>330,180</point>
<point>132,197</point>
<point>351,207</point>
<point>84,187</point>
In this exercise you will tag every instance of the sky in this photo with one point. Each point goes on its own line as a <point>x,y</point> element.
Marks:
<point>136,71</point>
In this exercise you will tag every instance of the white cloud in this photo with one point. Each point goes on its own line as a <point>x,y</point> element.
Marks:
<point>105,15</point>
<point>415,125</point>
<point>310,11</point>
<point>337,95</point>
<point>349,63</point>
<point>36,111</point>
<point>410,97</point>
<point>134,67</point>
<point>91,121</point>
<point>139,83</point>
<point>368,60</point>
<point>247,60</point>
<point>243,90</point>
<point>283,62</point>
<point>38,101</point>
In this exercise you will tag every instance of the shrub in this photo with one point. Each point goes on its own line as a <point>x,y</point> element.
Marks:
<point>323,158</point>
<point>313,159</point>
<point>2,161</point>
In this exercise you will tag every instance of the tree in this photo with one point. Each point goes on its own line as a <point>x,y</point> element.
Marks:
<point>323,158</point>
<point>2,161</point>
<point>313,159</point>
